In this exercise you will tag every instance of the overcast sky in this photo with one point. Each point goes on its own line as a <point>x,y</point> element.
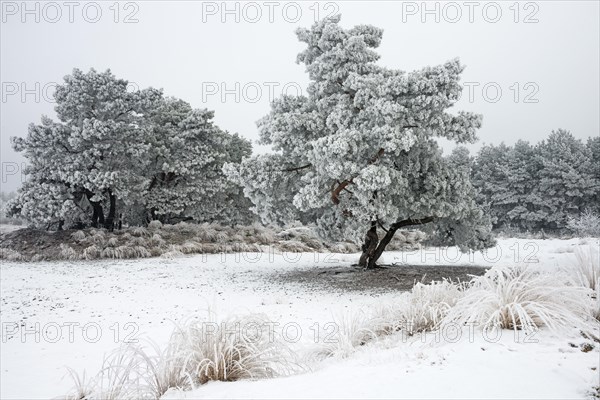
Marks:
<point>531,66</point>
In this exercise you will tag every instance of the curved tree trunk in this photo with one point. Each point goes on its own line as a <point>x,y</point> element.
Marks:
<point>370,245</point>
<point>389,236</point>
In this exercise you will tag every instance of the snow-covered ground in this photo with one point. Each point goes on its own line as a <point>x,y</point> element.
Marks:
<point>70,314</point>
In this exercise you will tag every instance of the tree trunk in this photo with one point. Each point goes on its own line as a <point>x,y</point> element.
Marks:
<point>370,245</point>
<point>98,214</point>
<point>390,235</point>
<point>110,219</point>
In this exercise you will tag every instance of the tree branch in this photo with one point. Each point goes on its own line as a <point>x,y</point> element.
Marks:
<point>296,168</point>
<point>410,222</point>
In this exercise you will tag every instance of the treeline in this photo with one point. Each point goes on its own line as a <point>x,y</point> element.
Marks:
<point>116,157</point>
<point>547,186</point>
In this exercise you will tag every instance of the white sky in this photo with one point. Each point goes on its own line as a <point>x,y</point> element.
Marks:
<point>187,49</point>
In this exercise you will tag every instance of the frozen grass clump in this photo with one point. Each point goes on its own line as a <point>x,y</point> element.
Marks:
<point>206,232</point>
<point>10,255</point>
<point>140,231</point>
<point>587,267</point>
<point>138,241</point>
<point>155,225</point>
<point>68,253</point>
<point>257,233</point>
<point>301,234</point>
<point>343,247</point>
<point>124,252</point>
<point>157,240</point>
<point>405,240</point>
<point>596,304</point>
<point>171,254</point>
<point>293,246</point>
<point>119,378</point>
<point>520,298</point>
<point>190,247</point>
<point>91,252</point>
<point>420,310</point>
<point>97,232</point>
<point>97,237</point>
<point>352,329</point>
<point>78,236</point>
<point>233,349</point>
<point>197,352</point>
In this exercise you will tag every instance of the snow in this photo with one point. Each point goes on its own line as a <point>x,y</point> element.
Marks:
<point>145,297</point>
<point>468,369</point>
<point>7,228</point>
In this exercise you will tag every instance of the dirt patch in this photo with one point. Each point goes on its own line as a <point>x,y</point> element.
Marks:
<point>30,242</point>
<point>383,279</point>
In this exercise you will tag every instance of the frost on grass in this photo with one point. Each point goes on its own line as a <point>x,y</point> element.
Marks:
<point>352,329</point>
<point>521,298</point>
<point>420,310</point>
<point>170,241</point>
<point>587,267</point>
<point>11,255</point>
<point>198,352</point>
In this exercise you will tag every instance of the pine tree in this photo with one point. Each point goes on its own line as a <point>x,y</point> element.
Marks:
<point>360,151</point>
<point>566,181</point>
<point>115,151</point>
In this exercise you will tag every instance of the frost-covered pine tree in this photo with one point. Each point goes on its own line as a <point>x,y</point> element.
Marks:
<point>538,187</point>
<point>187,152</point>
<point>360,151</point>
<point>593,145</point>
<point>567,185</point>
<point>120,152</point>
<point>505,177</point>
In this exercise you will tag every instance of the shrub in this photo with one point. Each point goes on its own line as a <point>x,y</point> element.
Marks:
<point>521,299</point>
<point>587,224</point>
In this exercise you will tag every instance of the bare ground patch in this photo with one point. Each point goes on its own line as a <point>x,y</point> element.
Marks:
<point>383,279</point>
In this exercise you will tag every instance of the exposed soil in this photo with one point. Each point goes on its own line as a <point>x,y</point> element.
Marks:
<point>382,279</point>
<point>30,242</point>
